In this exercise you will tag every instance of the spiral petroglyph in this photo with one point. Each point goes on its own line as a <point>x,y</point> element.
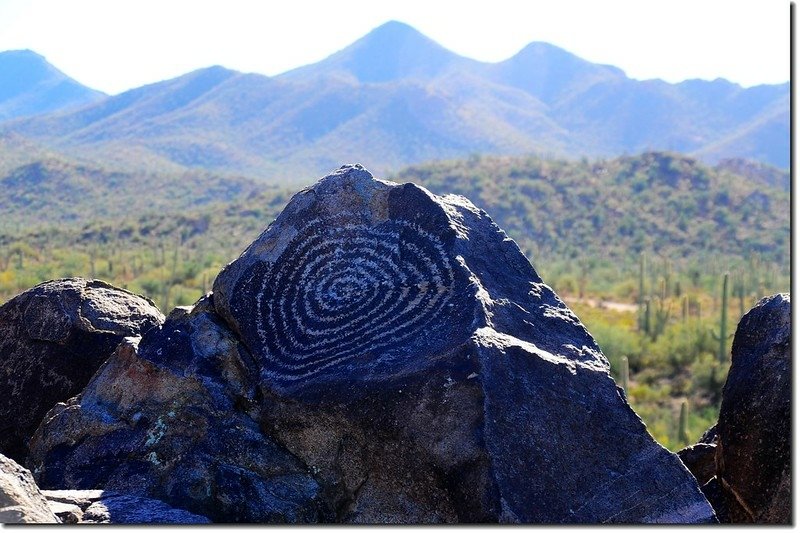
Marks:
<point>348,293</point>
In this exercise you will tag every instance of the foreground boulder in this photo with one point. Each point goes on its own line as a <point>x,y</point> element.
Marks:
<point>53,338</point>
<point>753,455</point>
<point>379,354</point>
<point>20,499</point>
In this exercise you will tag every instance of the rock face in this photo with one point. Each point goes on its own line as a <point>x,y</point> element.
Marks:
<point>379,354</point>
<point>754,452</point>
<point>20,499</point>
<point>53,338</point>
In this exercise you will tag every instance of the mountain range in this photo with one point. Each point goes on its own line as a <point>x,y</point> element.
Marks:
<point>392,98</point>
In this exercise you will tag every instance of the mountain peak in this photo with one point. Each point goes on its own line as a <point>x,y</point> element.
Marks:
<point>23,53</point>
<point>548,72</point>
<point>396,27</point>
<point>31,85</point>
<point>25,64</point>
<point>392,51</point>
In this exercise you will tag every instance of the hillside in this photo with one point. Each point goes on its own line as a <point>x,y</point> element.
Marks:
<point>568,217</point>
<point>58,191</point>
<point>29,85</point>
<point>395,98</point>
<point>611,210</point>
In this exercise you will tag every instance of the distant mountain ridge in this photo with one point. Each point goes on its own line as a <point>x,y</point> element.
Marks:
<point>396,97</point>
<point>29,85</point>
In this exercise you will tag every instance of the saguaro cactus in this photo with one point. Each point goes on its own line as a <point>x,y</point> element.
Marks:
<point>642,310</point>
<point>683,423</point>
<point>723,323</point>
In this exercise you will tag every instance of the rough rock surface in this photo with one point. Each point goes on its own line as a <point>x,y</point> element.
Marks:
<point>53,338</point>
<point>754,451</point>
<point>20,499</point>
<point>379,354</point>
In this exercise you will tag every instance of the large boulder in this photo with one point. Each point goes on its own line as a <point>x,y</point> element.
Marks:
<point>753,453</point>
<point>379,354</point>
<point>53,338</point>
<point>21,502</point>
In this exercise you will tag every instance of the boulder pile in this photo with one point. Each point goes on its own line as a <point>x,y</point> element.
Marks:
<point>379,354</point>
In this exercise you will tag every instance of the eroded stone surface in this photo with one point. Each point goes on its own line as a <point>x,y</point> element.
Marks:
<point>53,338</point>
<point>379,354</point>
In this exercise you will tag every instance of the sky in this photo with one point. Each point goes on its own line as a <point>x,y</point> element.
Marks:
<point>115,45</point>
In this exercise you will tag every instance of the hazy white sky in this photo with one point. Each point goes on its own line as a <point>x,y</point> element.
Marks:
<point>114,45</point>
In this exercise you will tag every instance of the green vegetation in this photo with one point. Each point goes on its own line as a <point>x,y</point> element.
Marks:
<point>637,246</point>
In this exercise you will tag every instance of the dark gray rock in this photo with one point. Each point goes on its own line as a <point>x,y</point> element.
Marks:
<point>125,509</point>
<point>53,338</point>
<point>412,355</point>
<point>20,499</point>
<point>379,354</point>
<point>754,444</point>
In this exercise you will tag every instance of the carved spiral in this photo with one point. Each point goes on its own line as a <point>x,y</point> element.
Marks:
<point>355,295</point>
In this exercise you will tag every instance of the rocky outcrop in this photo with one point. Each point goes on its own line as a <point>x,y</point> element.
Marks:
<point>379,354</point>
<point>753,455</point>
<point>20,499</point>
<point>53,338</point>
